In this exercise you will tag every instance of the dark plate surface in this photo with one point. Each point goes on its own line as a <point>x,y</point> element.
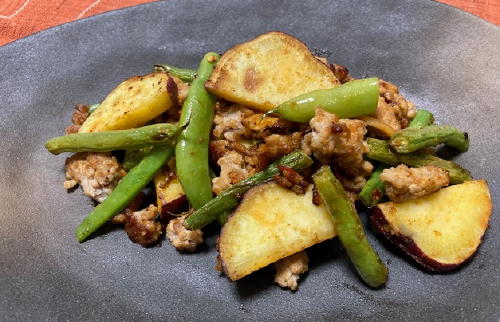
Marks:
<point>443,60</point>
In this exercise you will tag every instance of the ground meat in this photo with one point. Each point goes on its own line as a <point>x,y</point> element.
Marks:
<point>338,141</point>
<point>276,145</point>
<point>142,227</point>
<point>97,173</point>
<point>232,170</point>
<point>288,270</point>
<point>79,116</point>
<point>134,205</point>
<point>403,183</point>
<point>393,109</point>
<point>291,179</point>
<point>229,123</point>
<point>238,162</point>
<point>261,127</point>
<point>182,238</point>
<point>182,90</point>
<point>341,72</point>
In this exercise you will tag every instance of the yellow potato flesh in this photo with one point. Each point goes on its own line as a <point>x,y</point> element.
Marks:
<point>267,71</point>
<point>131,104</point>
<point>271,223</point>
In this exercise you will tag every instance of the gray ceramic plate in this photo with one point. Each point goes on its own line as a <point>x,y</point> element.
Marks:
<point>444,60</point>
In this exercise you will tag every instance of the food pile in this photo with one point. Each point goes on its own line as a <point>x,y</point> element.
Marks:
<point>277,146</point>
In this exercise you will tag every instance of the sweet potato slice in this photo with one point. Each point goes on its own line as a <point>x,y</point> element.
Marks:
<point>271,223</point>
<point>131,104</point>
<point>267,71</point>
<point>170,197</point>
<point>439,231</point>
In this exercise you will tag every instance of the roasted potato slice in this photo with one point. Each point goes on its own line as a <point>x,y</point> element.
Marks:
<point>131,104</point>
<point>267,71</point>
<point>170,197</point>
<point>271,223</point>
<point>439,231</point>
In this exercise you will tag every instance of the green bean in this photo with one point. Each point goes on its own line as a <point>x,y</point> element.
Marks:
<point>374,188</point>
<point>413,139</point>
<point>133,157</point>
<point>133,139</point>
<point>191,151</point>
<point>380,151</point>
<point>185,75</point>
<point>229,198</point>
<point>223,217</point>
<point>352,99</point>
<point>349,229</point>
<point>422,118</point>
<point>128,187</point>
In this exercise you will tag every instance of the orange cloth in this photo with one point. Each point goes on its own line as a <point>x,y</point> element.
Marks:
<point>20,18</point>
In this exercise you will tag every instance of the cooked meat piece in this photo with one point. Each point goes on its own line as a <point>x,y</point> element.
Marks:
<point>288,270</point>
<point>393,109</point>
<point>72,129</point>
<point>341,72</point>
<point>261,127</point>
<point>228,123</point>
<point>238,162</point>
<point>120,219</point>
<point>253,161</point>
<point>79,116</point>
<point>276,146</point>
<point>338,141</point>
<point>182,90</point>
<point>316,198</point>
<point>403,183</point>
<point>142,227</point>
<point>182,238</point>
<point>291,179</point>
<point>97,173</point>
<point>134,205</point>
<point>232,170</point>
<point>237,122</point>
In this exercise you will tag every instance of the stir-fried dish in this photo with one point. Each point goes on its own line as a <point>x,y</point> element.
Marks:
<point>279,148</point>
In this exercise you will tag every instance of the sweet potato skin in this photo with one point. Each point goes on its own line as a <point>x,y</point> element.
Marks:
<point>267,71</point>
<point>170,198</point>
<point>271,223</point>
<point>381,224</point>
<point>406,244</point>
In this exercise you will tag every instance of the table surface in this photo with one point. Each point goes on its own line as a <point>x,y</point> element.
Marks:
<point>21,18</point>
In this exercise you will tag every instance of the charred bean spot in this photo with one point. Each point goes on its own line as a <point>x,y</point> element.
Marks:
<point>160,136</point>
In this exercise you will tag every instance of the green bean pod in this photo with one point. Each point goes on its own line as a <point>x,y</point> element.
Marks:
<point>412,139</point>
<point>133,139</point>
<point>380,151</point>
<point>191,151</point>
<point>128,187</point>
<point>352,99</point>
<point>422,118</point>
<point>184,74</point>
<point>228,199</point>
<point>374,188</point>
<point>133,157</point>
<point>349,229</point>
